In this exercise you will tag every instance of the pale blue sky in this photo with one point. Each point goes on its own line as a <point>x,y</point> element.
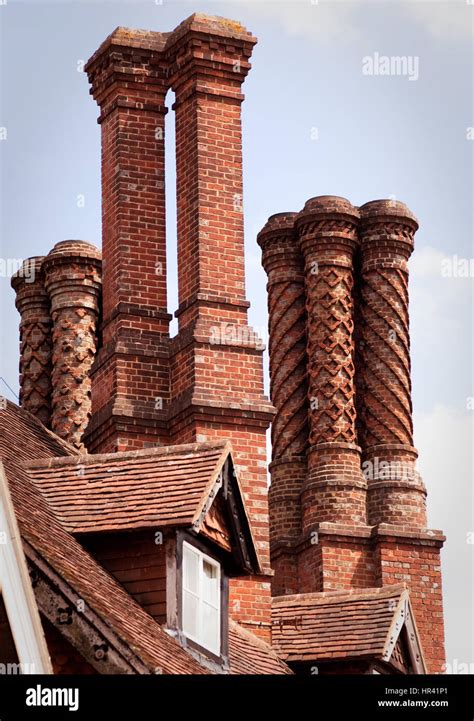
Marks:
<point>377,137</point>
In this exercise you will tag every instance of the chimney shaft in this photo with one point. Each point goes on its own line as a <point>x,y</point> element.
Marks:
<point>73,281</point>
<point>335,490</point>
<point>396,494</point>
<point>209,60</point>
<point>33,304</point>
<point>128,81</point>
<point>283,264</point>
<point>404,548</point>
<point>216,359</point>
<point>130,381</point>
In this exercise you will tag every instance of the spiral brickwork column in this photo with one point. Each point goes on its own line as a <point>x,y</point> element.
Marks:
<point>36,342</point>
<point>283,263</point>
<point>335,490</point>
<point>73,281</point>
<point>396,492</point>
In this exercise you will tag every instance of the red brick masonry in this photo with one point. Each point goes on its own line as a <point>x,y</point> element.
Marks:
<point>361,503</point>
<point>347,506</point>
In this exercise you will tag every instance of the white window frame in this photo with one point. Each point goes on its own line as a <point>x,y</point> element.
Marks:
<point>202,557</point>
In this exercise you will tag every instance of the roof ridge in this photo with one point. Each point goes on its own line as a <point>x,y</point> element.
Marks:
<point>97,458</point>
<point>168,486</point>
<point>324,597</point>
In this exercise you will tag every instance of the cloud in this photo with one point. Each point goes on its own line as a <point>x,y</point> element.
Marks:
<point>444,438</point>
<point>449,20</point>
<point>440,307</point>
<point>426,262</point>
<point>306,18</point>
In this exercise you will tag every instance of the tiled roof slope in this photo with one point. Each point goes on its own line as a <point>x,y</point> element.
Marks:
<point>22,437</point>
<point>166,486</point>
<point>334,625</point>
<point>250,655</point>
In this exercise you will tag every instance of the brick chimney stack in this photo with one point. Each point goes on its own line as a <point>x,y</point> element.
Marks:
<point>33,304</point>
<point>73,282</point>
<point>396,494</point>
<point>318,507</point>
<point>207,382</point>
<point>363,515</point>
<point>283,264</point>
<point>405,549</point>
<point>335,490</point>
<point>216,359</point>
<point>130,380</point>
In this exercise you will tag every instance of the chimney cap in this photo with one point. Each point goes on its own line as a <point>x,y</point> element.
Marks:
<point>290,215</point>
<point>74,249</point>
<point>329,204</point>
<point>277,224</point>
<point>387,208</point>
<point>153,41</point>
<point>129,38</point>
<point>329,207</point>
<point>212,25</point>
<point>24,271</point>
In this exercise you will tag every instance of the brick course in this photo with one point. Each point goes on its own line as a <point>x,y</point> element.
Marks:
<point>414,557</point>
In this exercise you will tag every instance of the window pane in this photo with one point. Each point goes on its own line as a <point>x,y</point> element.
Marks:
<point>210,628</point>
<point>190,615</point>
<point>190,569</point>
<point>201,599</point>
<point>210,583</point>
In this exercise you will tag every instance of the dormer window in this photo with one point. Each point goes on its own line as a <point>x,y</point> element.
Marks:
<point>201,599</point>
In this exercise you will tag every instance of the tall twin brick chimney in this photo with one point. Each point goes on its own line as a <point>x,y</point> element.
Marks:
<point>347,506</point>
<point>101,370</point>
<point>207,382</point>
